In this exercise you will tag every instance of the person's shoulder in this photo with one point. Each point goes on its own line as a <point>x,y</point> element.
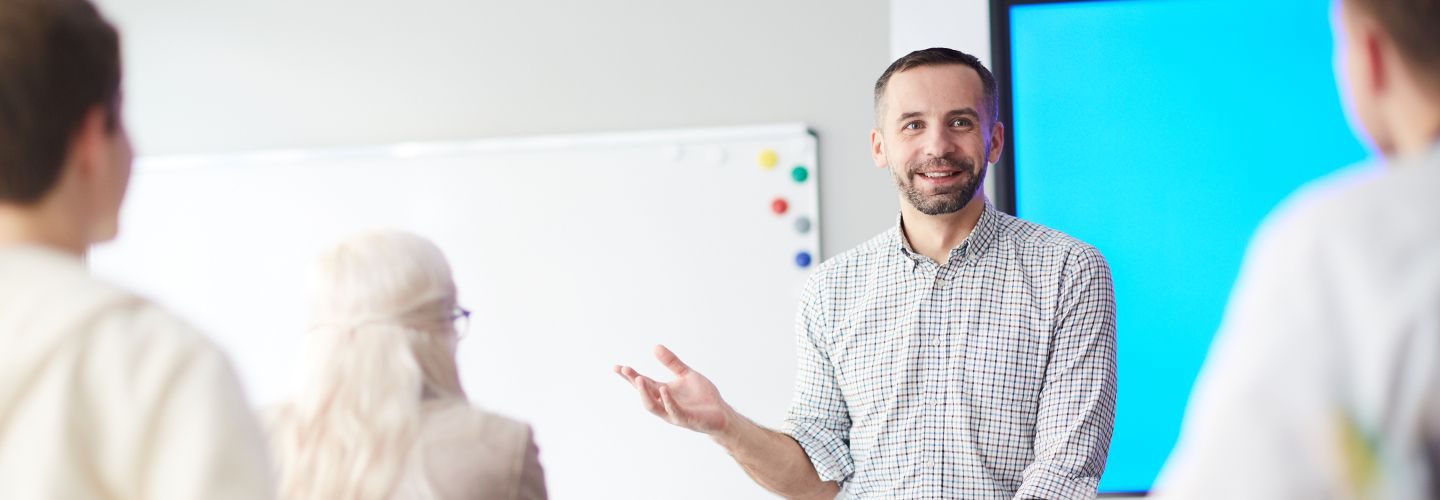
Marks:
<point>136,356</point>
<point>1031,237</point>
<point>1362,208</point>
<point>1377,198</point>
<point>468,449</point>
<point>70,305</point>
<point>45,281</point>
<point>139,327</point>
<point>154,362</point>
<point>858,260</point>
<point>458,419</point>
<point>1322,199</point>
<point>1348,244</point>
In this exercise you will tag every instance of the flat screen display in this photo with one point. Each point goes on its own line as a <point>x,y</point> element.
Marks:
<point>1162,132</point>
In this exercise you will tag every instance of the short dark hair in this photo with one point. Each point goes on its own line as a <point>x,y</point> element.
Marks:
<point>1415,27</point>
<point>938,56</point>
<point>58,60</point>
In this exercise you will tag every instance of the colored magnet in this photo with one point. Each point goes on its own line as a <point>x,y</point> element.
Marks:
<point>799,173</point>
<point>802,225</point>
<point>802,259</point>
<point>779,206</point>
<point>767,159</point>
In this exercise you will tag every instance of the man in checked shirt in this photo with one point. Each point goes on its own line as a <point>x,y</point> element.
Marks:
<point>963,353</point>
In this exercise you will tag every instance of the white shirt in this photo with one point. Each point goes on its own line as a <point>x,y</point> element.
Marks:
<point>103,395</point>
<point>1325,379</point>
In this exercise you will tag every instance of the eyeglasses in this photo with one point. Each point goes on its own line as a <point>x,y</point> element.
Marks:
<point>461,317</point>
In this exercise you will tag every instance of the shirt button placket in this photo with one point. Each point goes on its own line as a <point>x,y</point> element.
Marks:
<point>933,377</point>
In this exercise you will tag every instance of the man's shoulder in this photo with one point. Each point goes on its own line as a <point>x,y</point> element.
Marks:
<point>1373,201</point>
<point>1373,228</point>
<point>148,327</point>
<point>112,348</point>
<point>1367,209</point>
<point>1360,244</point>
<point>55,305</point>
<point>1027,237</point>
<point>859,258</point>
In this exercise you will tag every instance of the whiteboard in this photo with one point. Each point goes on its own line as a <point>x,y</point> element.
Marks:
<point>575,253</point>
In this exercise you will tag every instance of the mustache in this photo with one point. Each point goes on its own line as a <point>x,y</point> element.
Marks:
<point>962,164</point>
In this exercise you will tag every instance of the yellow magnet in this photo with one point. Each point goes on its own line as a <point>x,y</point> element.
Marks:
<point>767,159</point>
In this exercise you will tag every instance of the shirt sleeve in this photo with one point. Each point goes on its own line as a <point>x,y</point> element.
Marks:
<point>818,419</point>
<point>175,422</point>
<point>1077,404</point>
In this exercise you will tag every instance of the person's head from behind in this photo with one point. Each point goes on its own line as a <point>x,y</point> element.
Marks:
<point>937,127</point>
<point>1387,59</point>
<point>64,155</point>
<point>382,340</point>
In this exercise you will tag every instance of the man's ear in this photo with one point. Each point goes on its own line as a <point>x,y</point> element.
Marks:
<point>877,148</point>
<point>1374,44</point>
<point>89,144</point>
<point>997,142</point>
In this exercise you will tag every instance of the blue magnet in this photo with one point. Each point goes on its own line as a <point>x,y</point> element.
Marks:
<point>802,259</point>
<point>802,225</point>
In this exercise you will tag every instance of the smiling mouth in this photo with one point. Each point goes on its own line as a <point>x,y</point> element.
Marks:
<point>938,175</point>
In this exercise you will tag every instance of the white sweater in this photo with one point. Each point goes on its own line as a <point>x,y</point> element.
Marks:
<point>104,395</point>
<point>1325,379</point>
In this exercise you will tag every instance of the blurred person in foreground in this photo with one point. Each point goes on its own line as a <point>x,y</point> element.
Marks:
<point>102,393</point>
<point>1325,379</point>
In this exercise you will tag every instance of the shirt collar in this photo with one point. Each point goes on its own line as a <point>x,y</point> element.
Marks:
<point>968,250</point>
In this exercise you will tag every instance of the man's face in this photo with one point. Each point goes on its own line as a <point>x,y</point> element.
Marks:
<point>933,136</point>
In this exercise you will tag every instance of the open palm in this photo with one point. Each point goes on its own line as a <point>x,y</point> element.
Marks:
<point>689,401</point>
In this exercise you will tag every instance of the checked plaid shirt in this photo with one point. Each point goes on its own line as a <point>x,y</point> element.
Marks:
<point>990,376</point>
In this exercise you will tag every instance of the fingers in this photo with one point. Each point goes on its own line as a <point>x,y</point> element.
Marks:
<point>669,404</point>
<point>671,361</point>
<point>654,396</point>
<point>630,375</point>
<point>626,373</point>
<point>648,389</point>
<point>649,395</point>
<point>651,387</point>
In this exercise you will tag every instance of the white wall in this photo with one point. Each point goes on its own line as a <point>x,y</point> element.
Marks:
<point>962,25</point>
<point>214,76</point>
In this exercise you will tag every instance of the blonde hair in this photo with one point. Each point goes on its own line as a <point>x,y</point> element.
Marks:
<point>381,341</point>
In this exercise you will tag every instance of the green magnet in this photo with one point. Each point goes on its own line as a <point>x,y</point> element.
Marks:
<point>799,173</point>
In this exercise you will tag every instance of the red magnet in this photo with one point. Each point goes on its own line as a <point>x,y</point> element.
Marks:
<point>779,206</point>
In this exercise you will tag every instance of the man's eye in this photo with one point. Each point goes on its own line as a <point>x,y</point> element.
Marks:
<point>912,126</point>
<point>960,122</point>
